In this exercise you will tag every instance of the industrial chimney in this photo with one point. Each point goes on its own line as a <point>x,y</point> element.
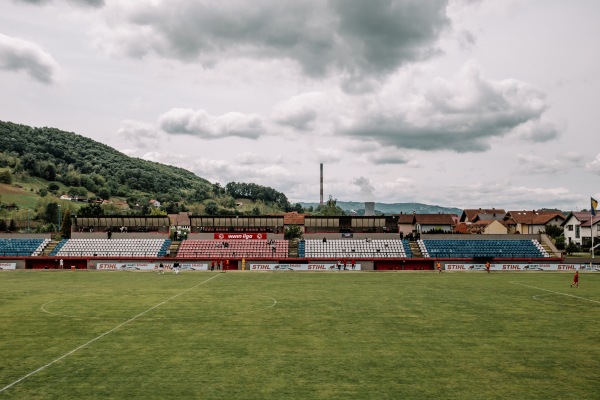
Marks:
<point>321,202</point>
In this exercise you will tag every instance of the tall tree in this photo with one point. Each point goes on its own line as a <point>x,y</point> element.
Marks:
<point>65,227</point>
<point>330,208</point>
<point>51,213</point>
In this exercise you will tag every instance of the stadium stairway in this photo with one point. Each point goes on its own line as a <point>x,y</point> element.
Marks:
<point>416,251</point>
<point>549,250</point>
<point>51,246</point>
<point>293,248</point>
<point>173,248</point>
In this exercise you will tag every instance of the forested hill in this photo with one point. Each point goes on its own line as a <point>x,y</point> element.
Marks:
<point>77,161</point>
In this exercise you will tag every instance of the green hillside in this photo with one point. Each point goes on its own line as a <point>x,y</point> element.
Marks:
<point>38,165</point>
<point>86,165</point>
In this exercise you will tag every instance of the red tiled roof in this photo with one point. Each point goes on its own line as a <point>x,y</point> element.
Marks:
<point>541,217</point>
<point>595,219</point>
<point>461,227</point>
<point>293,218</point>
<point>475,228</point>
<point>434,219</point>
<point>405,218</point>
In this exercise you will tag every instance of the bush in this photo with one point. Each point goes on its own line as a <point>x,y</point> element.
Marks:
<point>571,248</point>
<point>560,243</point>
<point>293,232</point>
<point>5,177</point>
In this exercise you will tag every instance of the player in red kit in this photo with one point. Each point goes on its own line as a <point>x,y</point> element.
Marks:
<point>575,280</point>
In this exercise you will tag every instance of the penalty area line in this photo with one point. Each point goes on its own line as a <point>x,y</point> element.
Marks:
<point>552,291</point>
<point>102,335</point>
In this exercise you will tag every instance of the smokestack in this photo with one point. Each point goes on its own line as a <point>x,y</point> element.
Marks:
<point>369,208</point>
<point>321,183</point>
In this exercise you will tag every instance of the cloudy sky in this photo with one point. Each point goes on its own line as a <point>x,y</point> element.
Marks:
<point>462,103</point>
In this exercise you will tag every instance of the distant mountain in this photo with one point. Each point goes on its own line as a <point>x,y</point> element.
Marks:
<point>393,208</point>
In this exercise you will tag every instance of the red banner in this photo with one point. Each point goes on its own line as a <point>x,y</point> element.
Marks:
<point>240,236</point>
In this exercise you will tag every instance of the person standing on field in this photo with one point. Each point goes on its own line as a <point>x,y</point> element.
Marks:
<point>439,267</point>
<point>487,267</point>
<point>575,280</point>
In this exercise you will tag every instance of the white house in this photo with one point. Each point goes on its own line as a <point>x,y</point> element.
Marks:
<point>577,227</point>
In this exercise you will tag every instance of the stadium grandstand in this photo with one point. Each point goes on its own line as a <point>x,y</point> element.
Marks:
<point>21,247</point>
<point>384,242</point>
<point>482,248</point>
<point>112,247</point>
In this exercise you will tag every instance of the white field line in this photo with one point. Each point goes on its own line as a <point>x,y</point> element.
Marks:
<point>551,291</point>
<point>43,308</point>
<point>102,335</point>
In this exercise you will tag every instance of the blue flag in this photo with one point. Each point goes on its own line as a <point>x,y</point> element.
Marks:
<point>594,206</point>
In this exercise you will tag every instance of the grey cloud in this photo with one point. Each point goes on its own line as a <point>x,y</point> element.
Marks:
<point>200,123</point>
<point>141,134</point>
<point>466,39</point>
<point>303,120</point>
<point>537,131</point>
<point>353,38</point>
<point>89,3</point>
<point>388,33</point>
<point>460,117</point>
<point>561,163</point>
<point>387,159</point>
<point>21,55</point>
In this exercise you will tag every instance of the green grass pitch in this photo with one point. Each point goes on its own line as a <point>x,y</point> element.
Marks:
<point>295,335</point>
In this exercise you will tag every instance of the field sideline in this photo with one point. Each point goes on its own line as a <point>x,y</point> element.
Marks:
<point>298,335</point>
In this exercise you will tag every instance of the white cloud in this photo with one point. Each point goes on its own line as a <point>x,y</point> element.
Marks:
<point>202,124</point>
<point>594,165</point>
<point>22,55</point>
<point>300,112</point>
<point>328,155</point>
